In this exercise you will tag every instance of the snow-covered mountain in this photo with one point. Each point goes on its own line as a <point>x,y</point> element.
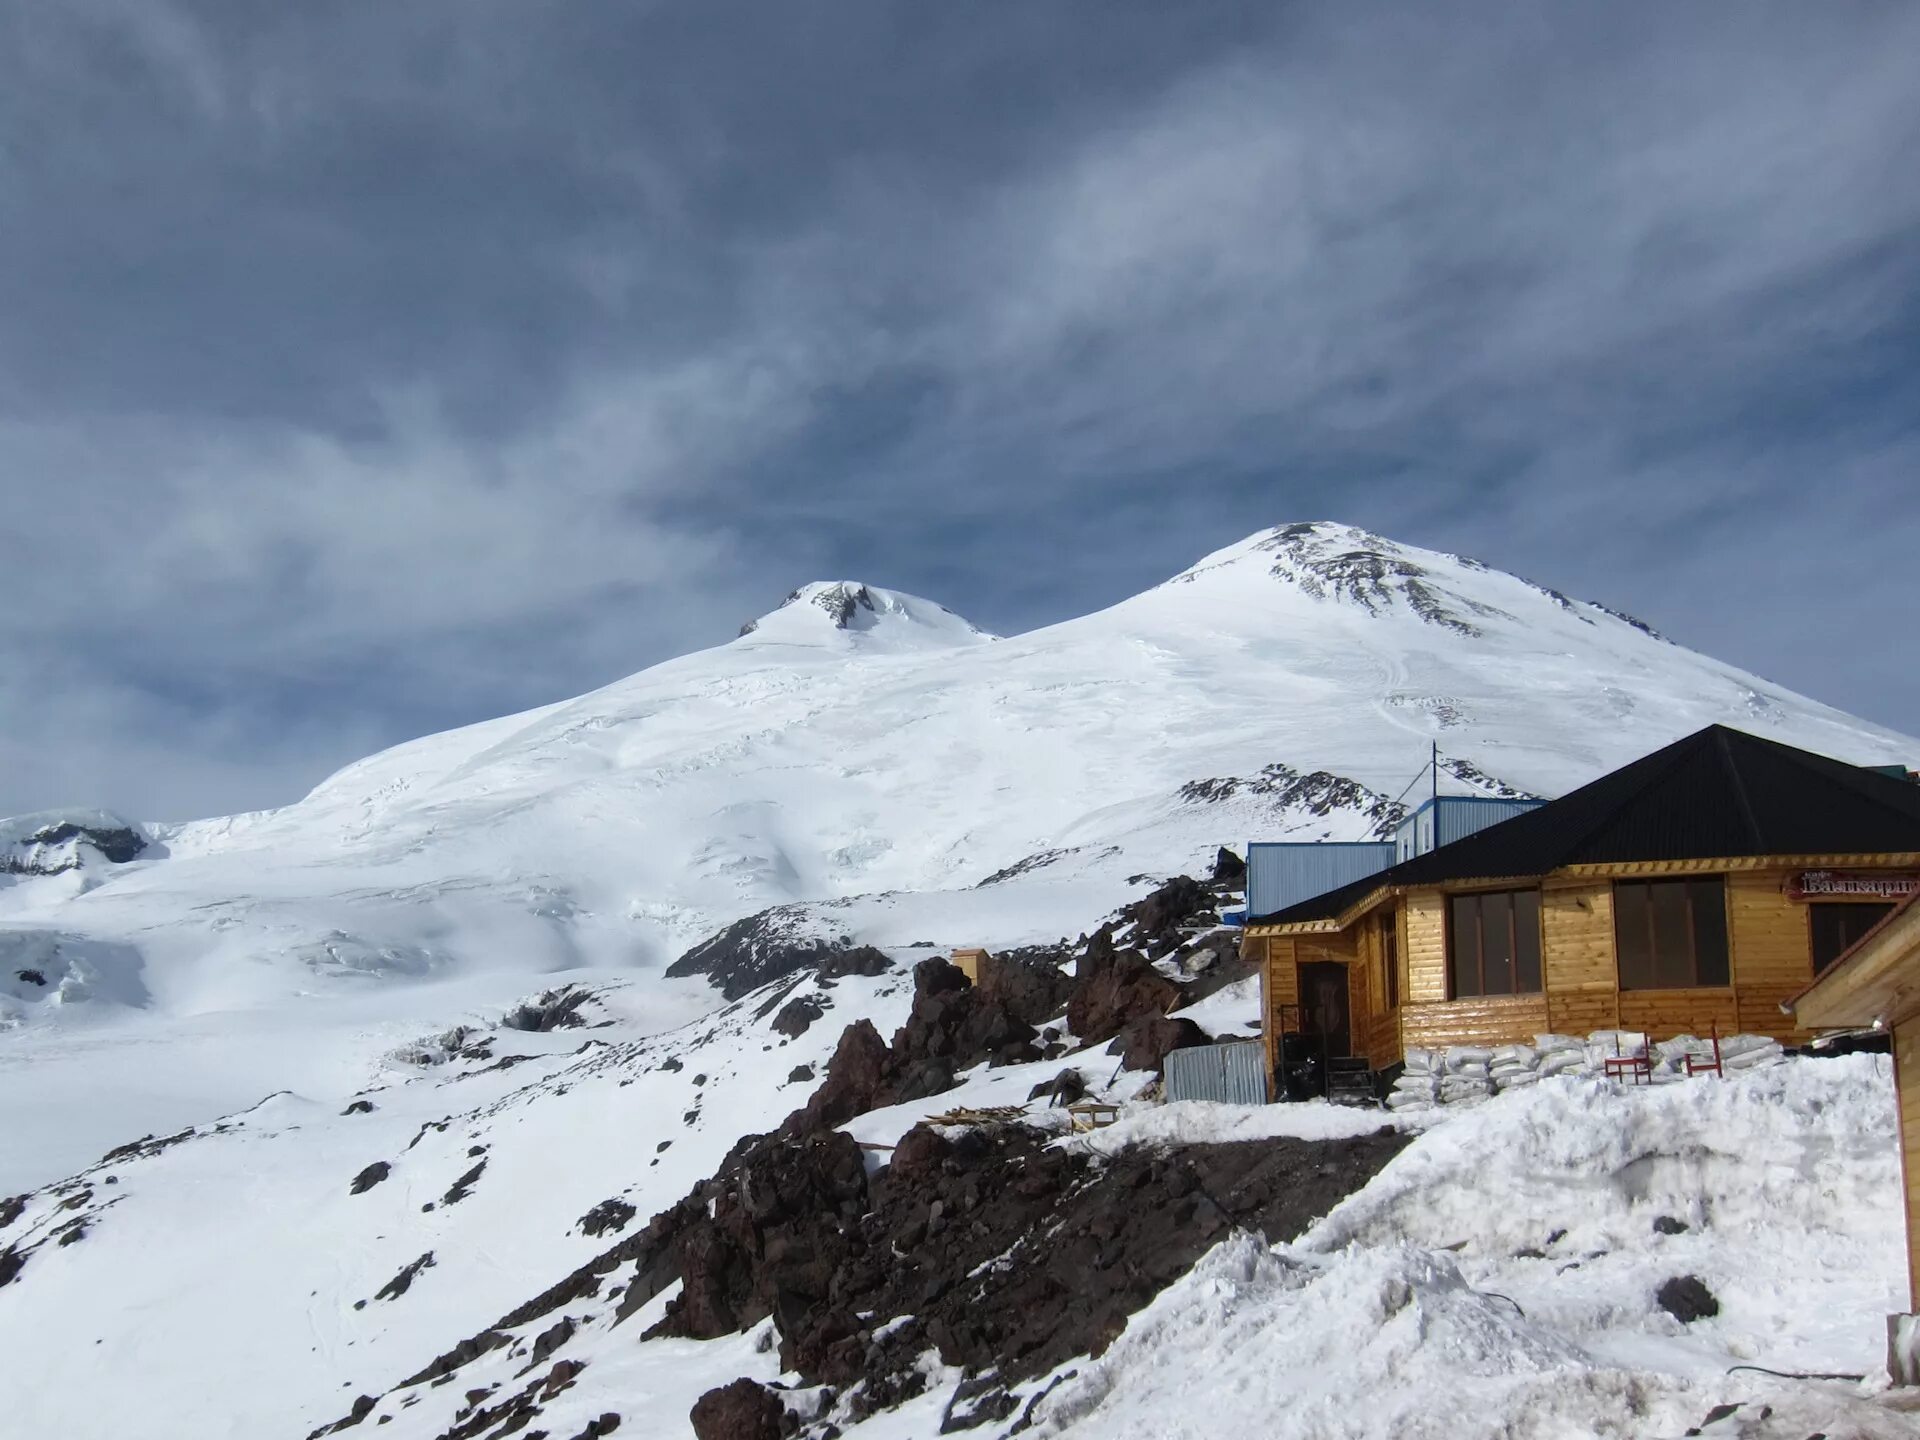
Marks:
<point>868,757</point>
<point>437,1171</point>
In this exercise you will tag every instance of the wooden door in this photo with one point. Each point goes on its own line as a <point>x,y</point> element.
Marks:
<point>1324,1008</point>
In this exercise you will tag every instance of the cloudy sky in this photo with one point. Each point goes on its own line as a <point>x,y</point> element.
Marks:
<point>370,368</point>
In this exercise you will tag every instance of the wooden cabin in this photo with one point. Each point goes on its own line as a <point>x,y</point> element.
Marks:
<point>1699,887</point>
<point>1876,986</point>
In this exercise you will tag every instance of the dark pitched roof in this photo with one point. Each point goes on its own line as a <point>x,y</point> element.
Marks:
<point>1719,793</point>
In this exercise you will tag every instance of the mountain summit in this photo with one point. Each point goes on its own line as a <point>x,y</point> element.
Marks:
<point>880,767</point>
<point>880,618</point>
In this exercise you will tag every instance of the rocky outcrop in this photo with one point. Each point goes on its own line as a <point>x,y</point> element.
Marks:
<point>744,1410</point>
<point>1112,989</point>
<point>772,945</point>
<point>57,841</point>
<point>1009,1255</point>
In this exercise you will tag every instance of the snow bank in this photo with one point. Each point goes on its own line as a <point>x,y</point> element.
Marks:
<point>1802,1142</point>
<point>1538,1317</point>
<point>1206,1122</point>
<point>1390,1343</point>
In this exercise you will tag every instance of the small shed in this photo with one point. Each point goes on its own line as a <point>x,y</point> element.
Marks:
<point>1876,986</point>
<point>967,962</point>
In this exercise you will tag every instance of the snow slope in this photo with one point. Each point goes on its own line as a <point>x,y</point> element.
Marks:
<point>861,752</point>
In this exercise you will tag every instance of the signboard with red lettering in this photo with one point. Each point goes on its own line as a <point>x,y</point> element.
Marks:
<point>1851,885</point>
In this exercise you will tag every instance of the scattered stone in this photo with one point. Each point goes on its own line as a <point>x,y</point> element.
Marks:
<point>362,1407</point>
<point>12,1207</point>
<point>1669,1225</point>
<point>605,1425</point>
<point>401,1283</point>
<point>463,1187</point>
<point>608,1217</point>
<point>359,1107</point>
<point>31,977</point>
<point>370,1177</point>
<point>551,1339</point>
<point>799,1074</point>
<point>1687,1299</point>
<point>671,1064</point>
<point>1065,1088</point>
<point>744,1410</point>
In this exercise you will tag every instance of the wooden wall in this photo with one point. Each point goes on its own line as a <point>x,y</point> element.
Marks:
<point>1772,953</point>
<point>1906,1074</point>
<point>1576,925</point>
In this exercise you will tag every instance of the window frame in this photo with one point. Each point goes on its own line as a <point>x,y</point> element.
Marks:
<point>1389,933</point>
<point>1539,987</point>
<point>1878,911</point>
<point>1655,961</point>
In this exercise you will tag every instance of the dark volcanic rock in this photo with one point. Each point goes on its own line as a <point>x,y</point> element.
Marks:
<point>1687,1299</point>
<point>403,1282</point>
<point>608,1215</point>
<point>552,1010</point>
<point>771,945</point>
<point>799,1073</point>
<point>1112,989</point>
<point>855,1075</point>
<point>31,977</point>
<point>1011,1256</point>
<point>1145,1044</point>
<point>1228,868</point>
<point>744,1410</point>
<point>1157,919</point>
<point>797,1015</point>
<point>858,960</point>
<point>463,1187</point>
<point>777,1235</point>
<point>370,1177</point>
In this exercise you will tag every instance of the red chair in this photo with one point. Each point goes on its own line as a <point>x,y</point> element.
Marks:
<point>1637,1067</point>
<point>1696,1066</point>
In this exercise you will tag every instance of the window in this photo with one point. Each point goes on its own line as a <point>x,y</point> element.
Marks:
<point>1493,943</point>
<point>1390,957</point>
<point>1835,928</point>
<point>1670,934</point>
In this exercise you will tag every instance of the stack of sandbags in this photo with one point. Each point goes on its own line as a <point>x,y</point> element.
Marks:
<point>1418,1087</point>
<point>1467,1074</point>
<point>1605,1045</point>
<point>1748,1052</point>
<point>1670,1056</point>
<point>1560,1055</point>
<point>1513,1066</point>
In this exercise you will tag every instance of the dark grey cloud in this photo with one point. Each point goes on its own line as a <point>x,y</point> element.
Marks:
<point>368,369</point>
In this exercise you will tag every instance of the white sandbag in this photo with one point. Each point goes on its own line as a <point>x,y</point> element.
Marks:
<point>1752,1059</point>
<point>1548,1044</point>
<point>1562,1062</point>
<point>1400,1104</point>
<point>1515,1081</point>
<point>1515,1055</point>
<point>1466,1057</point>
<point>1743,1044</point>
<point>1618,1042</point>
<point>1421,1061</point>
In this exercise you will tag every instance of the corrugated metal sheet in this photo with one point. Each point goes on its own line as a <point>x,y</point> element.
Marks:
<point>1451,818</point>
<point>1279,874</point>
<point>1235,1074</point>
